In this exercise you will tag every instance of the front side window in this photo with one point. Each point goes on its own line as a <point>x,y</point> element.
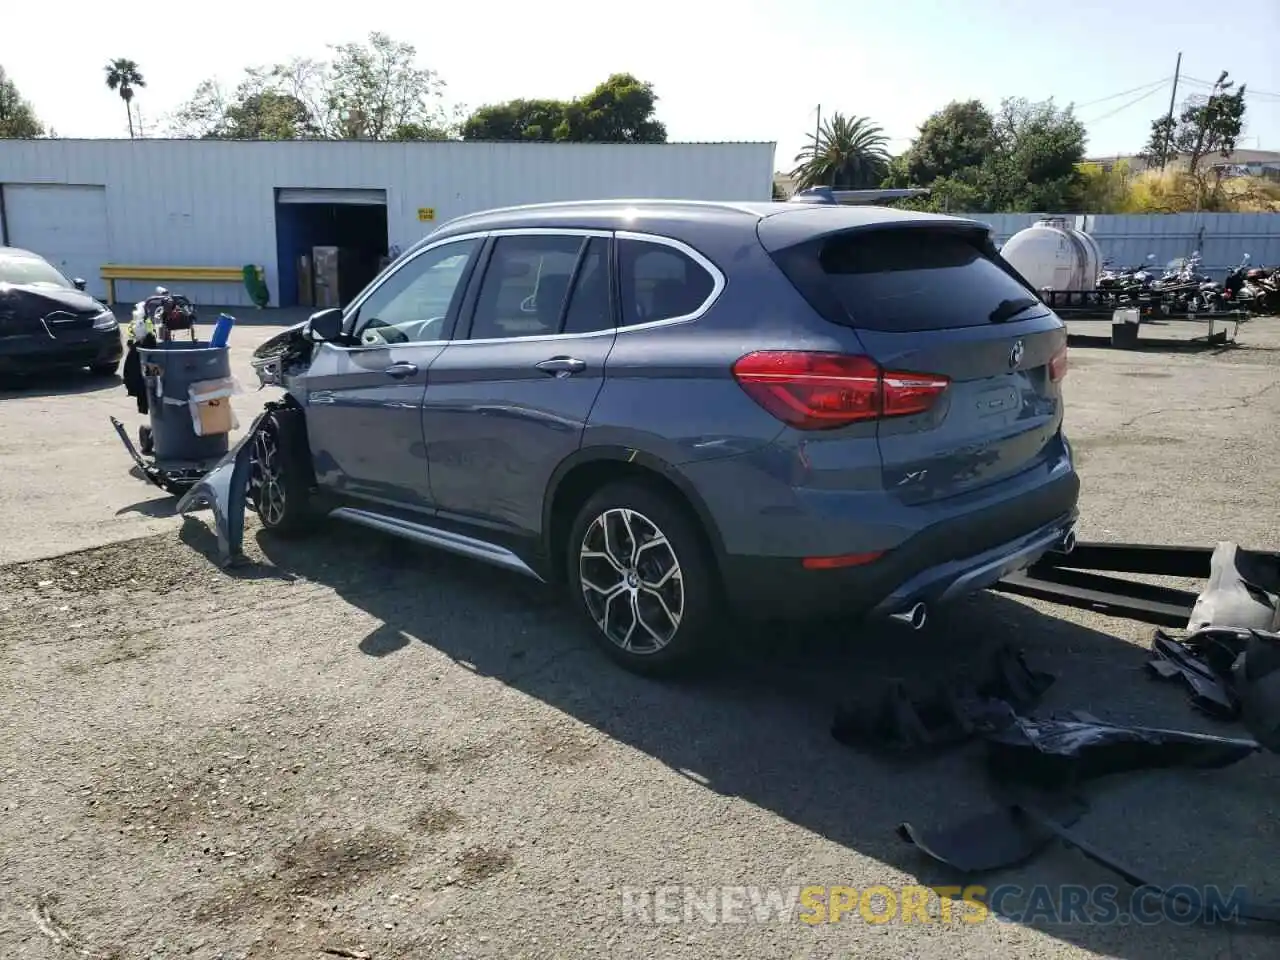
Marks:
<point>659,282</point>
<point>411,305</point>
<point>526,284</point>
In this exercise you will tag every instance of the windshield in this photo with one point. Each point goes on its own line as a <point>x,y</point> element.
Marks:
<point>31,270</point>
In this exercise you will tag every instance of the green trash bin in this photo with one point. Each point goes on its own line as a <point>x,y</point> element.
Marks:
<point>169,369</point>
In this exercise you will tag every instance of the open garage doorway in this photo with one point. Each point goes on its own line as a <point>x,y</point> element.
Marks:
<point>329,244</point>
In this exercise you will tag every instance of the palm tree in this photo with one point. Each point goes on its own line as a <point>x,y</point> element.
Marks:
<point>124,78</point>
<point>847,153</point>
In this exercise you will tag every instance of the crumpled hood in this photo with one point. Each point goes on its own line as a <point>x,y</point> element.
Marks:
<point>43,299</point>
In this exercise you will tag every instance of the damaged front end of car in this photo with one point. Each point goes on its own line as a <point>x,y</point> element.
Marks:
<point>283,356</point>
<point>227,488</point>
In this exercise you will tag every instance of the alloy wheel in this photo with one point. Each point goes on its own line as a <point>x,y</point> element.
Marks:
<point>631,581</point>
<point>265,484</point>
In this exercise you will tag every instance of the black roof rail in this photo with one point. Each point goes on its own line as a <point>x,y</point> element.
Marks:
<point>826,195</point>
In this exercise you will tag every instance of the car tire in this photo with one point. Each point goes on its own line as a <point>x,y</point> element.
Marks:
<point>666,611</point>
<point>280,474</point>
<point>104,369</point>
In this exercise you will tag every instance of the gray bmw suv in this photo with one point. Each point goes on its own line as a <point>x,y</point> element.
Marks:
<point>679,410</point>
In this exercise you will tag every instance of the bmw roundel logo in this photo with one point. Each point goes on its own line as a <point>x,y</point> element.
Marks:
<point>1015,355</point>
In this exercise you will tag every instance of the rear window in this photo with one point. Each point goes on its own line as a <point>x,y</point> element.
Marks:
<point>904,280</point>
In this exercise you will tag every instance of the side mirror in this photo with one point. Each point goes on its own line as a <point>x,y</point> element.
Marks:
<point>79,283</point>
<point>326,325</point>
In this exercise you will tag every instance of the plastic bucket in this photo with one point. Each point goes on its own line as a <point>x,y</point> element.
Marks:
<point>169,369</point>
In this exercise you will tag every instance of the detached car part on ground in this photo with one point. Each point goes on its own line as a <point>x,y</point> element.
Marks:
<point>779,410</point>
<point>1229,659</point>
<point>48,322</point>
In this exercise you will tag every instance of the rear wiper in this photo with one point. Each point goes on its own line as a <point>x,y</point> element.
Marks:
<point>1008,309</point>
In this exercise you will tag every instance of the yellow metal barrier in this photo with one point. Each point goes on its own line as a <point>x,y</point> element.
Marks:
<point>111,272</point>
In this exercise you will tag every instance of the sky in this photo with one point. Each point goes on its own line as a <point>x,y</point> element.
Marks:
<point>744,70</point>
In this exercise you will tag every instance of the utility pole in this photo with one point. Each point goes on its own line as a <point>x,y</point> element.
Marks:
<point>817,131</point>
<point>1173,96</point>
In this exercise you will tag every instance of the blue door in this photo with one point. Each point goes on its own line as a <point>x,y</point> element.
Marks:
<point>364,402</point>
<point>509,397</point>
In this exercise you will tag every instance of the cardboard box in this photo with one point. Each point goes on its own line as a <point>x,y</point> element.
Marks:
<point>210,402</point>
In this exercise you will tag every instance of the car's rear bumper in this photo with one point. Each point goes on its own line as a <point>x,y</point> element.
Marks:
<point>931,567</point>
<point>21,355</point>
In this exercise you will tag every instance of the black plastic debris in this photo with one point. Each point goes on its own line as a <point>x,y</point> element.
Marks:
<point>992,840</point>
<point>1232,674</point>
<point>1256,677</point>
<point>1058,753</point>
<point>945,714</point>
<point>1210,688</point>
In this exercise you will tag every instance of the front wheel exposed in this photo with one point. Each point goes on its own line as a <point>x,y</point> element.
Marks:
<point>279,474</point>
<point>640,574</point>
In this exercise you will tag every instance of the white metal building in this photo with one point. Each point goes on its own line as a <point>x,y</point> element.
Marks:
<point>209,203</point>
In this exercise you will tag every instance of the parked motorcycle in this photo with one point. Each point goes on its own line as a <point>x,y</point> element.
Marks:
<point>1124,283</point>
<point>1184,288</point>
<point>1264,284</point>
<point>1237,292</point>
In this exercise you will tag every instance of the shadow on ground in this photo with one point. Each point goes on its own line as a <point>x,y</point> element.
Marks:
<point>62,383</point>
<point>758,728</point>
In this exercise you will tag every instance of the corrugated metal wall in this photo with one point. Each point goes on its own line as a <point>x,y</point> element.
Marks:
<point>1221,238</point>
<point>212,203</point>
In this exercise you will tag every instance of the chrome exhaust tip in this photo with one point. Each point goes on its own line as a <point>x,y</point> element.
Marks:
<point>1068,543</point>
<point>914,617</point>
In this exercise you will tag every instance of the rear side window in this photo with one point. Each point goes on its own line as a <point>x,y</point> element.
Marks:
<point>659,282</point>
<point>904,280</point>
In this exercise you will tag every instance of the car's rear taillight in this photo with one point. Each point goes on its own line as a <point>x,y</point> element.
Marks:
<point>820,391</point>
<point>1058,364</point>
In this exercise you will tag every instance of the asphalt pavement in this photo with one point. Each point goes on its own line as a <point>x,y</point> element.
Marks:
<point>367,748</point>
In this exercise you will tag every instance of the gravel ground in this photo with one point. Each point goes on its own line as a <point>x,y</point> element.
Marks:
<point>359,746</point>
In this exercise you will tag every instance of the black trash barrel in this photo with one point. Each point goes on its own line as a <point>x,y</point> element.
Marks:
<point>175,365</point>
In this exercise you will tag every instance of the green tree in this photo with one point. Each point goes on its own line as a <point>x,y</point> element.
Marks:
<point>958,137</point>
<point>1037,151</point>
<point>1024,156</point>
<point>619,110</point>
<point>846,153</point>
<point>516,120</point>
<point>1205,126</point>
<point>374,90</point>
<point>17,117</point>
<point>124,78</point>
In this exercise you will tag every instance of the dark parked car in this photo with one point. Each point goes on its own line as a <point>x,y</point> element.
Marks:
<point>48,322</point>
<point>679,409</point>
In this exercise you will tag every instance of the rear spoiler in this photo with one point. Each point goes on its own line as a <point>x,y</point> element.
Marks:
<point>827,195</point>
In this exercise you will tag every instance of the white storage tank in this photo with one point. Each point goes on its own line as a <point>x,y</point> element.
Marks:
<point>1053,255</point>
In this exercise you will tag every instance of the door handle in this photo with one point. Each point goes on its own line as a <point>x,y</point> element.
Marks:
<point>562,366</point>
<point>401,369</point>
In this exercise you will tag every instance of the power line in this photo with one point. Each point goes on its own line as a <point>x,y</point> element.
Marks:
<point>1123,93</point>
<point>1125,106</point>
<point>1249,91</point>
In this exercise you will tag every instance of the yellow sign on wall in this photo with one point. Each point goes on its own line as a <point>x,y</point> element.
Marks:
<point>426,213</point>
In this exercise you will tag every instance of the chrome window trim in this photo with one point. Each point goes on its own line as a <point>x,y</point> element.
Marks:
<point>718,284</point>
<point>718,281</point>
<point>377,285</point>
